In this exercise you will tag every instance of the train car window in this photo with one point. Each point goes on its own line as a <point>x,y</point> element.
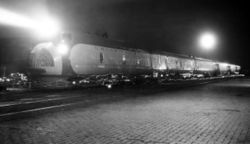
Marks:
<point>217,67</point>
<point>181,64</point>
<point>123,59</point>
<point>176,63</point>
<point>138,61</point>
<point>101,57</point>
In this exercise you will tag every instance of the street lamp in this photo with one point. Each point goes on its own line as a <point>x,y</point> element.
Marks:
<point>207,40</point>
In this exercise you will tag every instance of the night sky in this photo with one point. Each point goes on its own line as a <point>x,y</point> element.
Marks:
<point>153,25</point>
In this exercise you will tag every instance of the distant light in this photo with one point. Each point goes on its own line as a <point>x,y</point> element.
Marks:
<point>109,86</point>
<point>62,49</point>
<point>44,26</point>
<point>163,67</point>
<point>207,41</point>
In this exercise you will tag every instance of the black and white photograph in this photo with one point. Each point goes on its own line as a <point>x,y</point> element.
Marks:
<point>124,72</point>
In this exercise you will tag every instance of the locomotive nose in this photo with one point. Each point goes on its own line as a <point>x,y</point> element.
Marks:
<point>45,58</point>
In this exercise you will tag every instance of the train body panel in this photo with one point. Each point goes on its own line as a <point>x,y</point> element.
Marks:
<point>205,66</point>
<point>159,62</point>
<point>84,60</point>
<point>174,63</point>
<point>225,68</point>
<point>234,69</point>
<point>143,61</point>
<point>90,59</point>
<point>188,64</point>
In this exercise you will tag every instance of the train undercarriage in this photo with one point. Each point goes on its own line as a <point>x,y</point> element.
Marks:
<point>120,79</point>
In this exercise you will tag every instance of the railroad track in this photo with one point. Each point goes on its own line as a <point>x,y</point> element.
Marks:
<point>29,107</point>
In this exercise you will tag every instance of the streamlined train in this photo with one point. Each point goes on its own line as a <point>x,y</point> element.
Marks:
<point>63,63</point>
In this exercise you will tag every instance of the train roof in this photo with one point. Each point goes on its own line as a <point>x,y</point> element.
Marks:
<point>204,59</point>
<point>104,42</point>
<point>118,44</point>
<point>174,54</point>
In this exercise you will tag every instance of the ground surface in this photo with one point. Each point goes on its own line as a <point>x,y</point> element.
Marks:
<point>212,113</point>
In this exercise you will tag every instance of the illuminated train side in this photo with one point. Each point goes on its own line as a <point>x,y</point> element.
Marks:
<point>85,60</point>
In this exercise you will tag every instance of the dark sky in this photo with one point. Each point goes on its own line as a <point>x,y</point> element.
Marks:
<point>166,25</point>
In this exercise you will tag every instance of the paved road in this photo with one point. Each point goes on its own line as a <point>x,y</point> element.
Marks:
<point>213,113</point>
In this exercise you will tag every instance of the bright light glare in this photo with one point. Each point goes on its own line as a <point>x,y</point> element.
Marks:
<point>10,18</point>
<point>62,49</point>
<point>207,40</point>
<point>45,27</point>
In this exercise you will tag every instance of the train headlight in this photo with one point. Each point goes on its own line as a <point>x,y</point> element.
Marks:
<point>62,48</point>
